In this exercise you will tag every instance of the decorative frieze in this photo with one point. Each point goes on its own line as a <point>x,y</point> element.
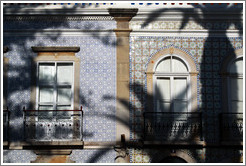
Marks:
<point>58,18</point>
<point>191,25</point>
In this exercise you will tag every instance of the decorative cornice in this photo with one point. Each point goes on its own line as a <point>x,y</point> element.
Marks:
<point>60,32</point>
<point>122,14</point>
<point>55,49</point>
<point>57,18</point>
<point>185,33</point>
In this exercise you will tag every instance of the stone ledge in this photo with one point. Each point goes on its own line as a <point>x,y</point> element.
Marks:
<point>53,152</point>
<point>123,13</point>
<point>56,143</point>
<point>55,49</point>
<point>176,143</point>
<point>45,144</point>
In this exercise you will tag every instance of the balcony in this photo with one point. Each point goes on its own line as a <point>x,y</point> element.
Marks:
<point>231,127</point>
<point>53,125</point>
<point>172,127</point>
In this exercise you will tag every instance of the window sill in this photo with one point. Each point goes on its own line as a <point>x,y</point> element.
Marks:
<point>74,144</point>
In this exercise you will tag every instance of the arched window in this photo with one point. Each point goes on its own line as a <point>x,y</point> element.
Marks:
<point>235,85</point>
<point>171,82</point>
<point>171,85</point>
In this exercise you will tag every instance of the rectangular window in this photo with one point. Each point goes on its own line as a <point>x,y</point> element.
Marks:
<point>171,94</point>
<point>55,89</point>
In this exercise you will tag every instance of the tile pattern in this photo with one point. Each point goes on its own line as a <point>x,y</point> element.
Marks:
<point>207,53</point>
<point>97,82</point>
<point>18,156</point>
<point>191,25</point>
<point>93,156</point>
<point>148,155</point>
<point>223,155</point>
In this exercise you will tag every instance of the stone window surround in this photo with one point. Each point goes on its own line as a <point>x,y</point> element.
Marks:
<point>192,72</point>
<point>52,54</point>
<point>224,76</point>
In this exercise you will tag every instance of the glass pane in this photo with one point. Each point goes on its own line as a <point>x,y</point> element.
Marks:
<point>46,94</point>
<point>178,66</point>
<point>163,88</point>
<point>237,66</point>
<point>65,73</point>
<point>46,72</point>
<point>180,106</point>
<point>180,88</point>
<point>64,95</point>
<point>45,107</point>
<point>237,107</point>
<point>164,65</point>
<point>237,89</point>
<point>163,106</point>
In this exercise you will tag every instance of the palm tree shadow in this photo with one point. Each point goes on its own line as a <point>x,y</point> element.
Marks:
<point>210,51</point>
<point>209,54</point>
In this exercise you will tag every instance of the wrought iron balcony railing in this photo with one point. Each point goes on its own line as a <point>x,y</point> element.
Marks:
<point>172,126</point>
<point>231,127</point>
<point>53,125</point>
<point>6,115</point>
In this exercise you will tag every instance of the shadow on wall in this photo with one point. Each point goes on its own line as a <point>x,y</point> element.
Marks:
<point>22,72</point>
<point>222,47</point>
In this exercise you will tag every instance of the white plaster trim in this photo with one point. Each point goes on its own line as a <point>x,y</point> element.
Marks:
<point>55,32</point>
<point>179,17</point>
<point>48,11</point>
<point>183,33</point>
<point>143,11</point>
<point>57,18</point>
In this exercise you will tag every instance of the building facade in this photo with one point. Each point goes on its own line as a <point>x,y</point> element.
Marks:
<point>123,82</point>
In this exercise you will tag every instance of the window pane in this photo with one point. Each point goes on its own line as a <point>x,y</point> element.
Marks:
<point>178,66</point>
<point>65,73</point>
<point>163,106</point>
<point>237,107</point>
<point>64,95</point>
<point>164,66</point>
<point>237,89</point>
<point>46,94</point>
<point>45,107</point>
<point>180,106</point>
<point>46,72</point>
<point>237,66</point>
<point>163,88</point>
<point>180,88</point>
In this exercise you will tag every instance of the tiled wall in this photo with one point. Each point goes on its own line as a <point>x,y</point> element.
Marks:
<point>93,156</point>
<point>97,81</point>
<point>207,53</point>
<point>18,156</point>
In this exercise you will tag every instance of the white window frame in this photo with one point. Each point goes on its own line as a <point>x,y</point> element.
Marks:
<point>55,84</point>
<point>229,77</point>
<point>172,75</point>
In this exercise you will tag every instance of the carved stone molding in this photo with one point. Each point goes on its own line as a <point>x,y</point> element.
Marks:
<point>56,49</point>
<point>58,18</point>
<point>122,13</point>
